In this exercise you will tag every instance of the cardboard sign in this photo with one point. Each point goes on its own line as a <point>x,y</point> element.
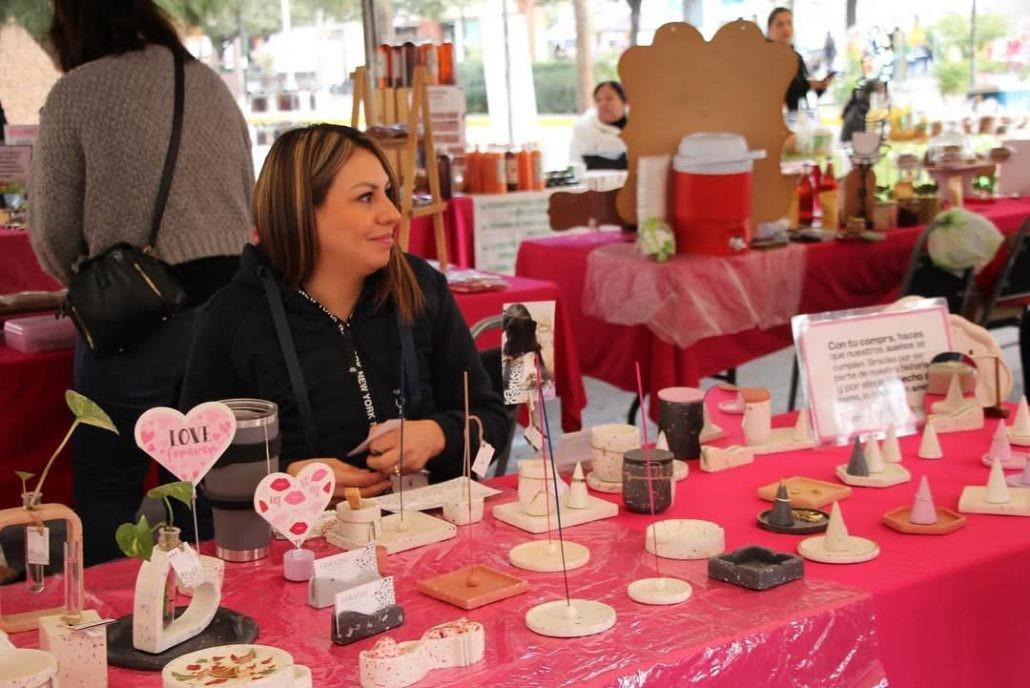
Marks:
<point>866,369</point>
<point>528,330</point>
<point>294,506</point>
<point>188,446</point>
<point>367,598</point>
<point>15,164</point>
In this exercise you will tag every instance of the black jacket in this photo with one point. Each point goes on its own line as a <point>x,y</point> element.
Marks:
<point>236,354</point>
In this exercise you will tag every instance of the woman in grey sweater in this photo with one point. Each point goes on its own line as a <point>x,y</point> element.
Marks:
<point>103,134</point>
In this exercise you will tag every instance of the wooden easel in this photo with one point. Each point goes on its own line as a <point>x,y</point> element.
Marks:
<point>385,106</point>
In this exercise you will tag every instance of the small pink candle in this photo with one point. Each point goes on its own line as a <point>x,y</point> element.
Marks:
<point>299,565</point>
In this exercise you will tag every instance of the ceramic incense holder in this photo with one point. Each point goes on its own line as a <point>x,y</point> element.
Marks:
<point>807,493</point>
<point>784,518</point>
<point>714,459</point>
<point>923,517</point>
<point>996,497</point>
<point>534,510</point>
<point>545,556</point>
<point>685,538</point>
<point>837,546</point>
<point>929,445</point>
<point>681,419</point>
<point>473,587</point>
<point>968,417</point>
<point>1019,431</point>
<point>659,591</point>
<point>390,664</point>
<point>574,618</point>
<point>1001,449</point>
<point>756,568</point>
<point>866,468</point>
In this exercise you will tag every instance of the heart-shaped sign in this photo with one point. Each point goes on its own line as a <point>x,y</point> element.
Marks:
<point>293,505</point>
<point>188,446</point>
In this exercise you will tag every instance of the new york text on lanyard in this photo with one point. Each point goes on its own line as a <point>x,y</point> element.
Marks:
<point>354,365</point>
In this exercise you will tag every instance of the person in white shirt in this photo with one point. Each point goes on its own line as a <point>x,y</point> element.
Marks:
<point>595,141</point>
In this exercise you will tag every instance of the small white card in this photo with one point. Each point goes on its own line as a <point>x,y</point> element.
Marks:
<point>377,431</point>
<point>367,598</point>
<point>187,566</point>
<point>482,463</point>
<point>358,564</point>
<point>534,437</point>
<point>37,545</point>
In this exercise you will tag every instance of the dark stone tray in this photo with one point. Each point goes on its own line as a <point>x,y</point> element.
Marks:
<point>806,522</point>
<point>227,628</point>
<point>350,627</point>
<point>756,568</point>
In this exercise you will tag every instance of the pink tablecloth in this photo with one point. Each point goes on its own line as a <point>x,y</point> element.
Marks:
<point>947,611</point>
<point>690,298</point>
<point>460,226</point>
<point>19,269</point>
<point>837,275</point>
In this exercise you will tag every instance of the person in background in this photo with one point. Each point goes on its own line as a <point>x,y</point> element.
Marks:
<point>780,28</point>
<point>327,275</point>
<point>595,141</point>
<point>103,135</point>
<point>829,52</point>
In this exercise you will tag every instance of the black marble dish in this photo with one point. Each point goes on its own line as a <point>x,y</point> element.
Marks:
<point>756,568</point>
<point>806,521</point>
<point>227,628</point>
<point>350,627</point>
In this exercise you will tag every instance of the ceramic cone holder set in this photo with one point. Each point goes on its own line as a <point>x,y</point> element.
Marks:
<point>759,434</point>
<point>867,468</point>
<point>996,497</point>
<point>929,444</point>
<point>1002,452</point>
<point>551,555</point>
<point>923,517</point>
<point>956,412</point>
<point>533,512</point>
<point>1019,431</point>
<point>837,546</point>
<point>784,518</point>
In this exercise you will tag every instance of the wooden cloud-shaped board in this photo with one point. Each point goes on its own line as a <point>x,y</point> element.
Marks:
<point>682,85</point>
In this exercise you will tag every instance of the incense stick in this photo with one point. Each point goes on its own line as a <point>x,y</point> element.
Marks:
<point>554,468</point>
<point>647,463</point>
<point>468,480</point>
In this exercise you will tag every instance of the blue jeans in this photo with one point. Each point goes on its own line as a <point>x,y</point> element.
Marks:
<point>109,470</point>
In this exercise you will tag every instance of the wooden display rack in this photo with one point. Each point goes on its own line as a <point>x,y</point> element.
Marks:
<point>386,106</point>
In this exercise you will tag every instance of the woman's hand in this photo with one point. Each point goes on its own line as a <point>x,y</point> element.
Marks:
<point>371,483</point>
<point>423,439</point>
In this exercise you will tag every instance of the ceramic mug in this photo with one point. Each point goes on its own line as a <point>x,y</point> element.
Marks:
<point>188,671</point>
<point>457,512</point>
<point>27,669</point>
<point>865,142</point>
<point>359,525</point>
<point>536,487</point>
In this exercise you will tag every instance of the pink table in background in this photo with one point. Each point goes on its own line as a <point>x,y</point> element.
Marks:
<point>460,230</point>
<point>19,269</point>
<point>837,275</point>
<point>942,611</point>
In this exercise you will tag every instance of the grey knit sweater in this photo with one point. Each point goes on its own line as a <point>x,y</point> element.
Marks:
<point>97,163</point>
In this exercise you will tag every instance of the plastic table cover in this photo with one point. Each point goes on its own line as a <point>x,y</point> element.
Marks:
<point>692,297</point>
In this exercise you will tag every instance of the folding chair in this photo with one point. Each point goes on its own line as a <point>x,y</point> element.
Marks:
<point>1011,292</point>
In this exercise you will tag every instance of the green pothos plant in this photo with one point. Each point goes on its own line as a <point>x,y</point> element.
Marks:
<point>136,540</point>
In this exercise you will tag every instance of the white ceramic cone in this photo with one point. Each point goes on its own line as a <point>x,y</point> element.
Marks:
<point>929,445</point>
<point>997,489</point>
<point>837,538</point>
<point>923,511</point>
<point>1000,449</point>
<point>802,427</point>
<point>1024,477</point>
<point>873,457</point>
<point>891,447</point>
<point>662,442</point>
<point>954,401</point>
<point>577,496</point>
<point>1021,423</point>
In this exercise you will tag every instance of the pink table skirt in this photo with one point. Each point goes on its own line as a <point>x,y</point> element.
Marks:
<point>942,611</point>
<point>837,275</point>
<point>19,268</point>
<point>459,226</point>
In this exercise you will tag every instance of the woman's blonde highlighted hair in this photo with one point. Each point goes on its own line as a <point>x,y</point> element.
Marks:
<point>294,181</point>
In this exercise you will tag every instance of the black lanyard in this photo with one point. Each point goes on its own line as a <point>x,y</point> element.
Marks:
<point>354,365</point>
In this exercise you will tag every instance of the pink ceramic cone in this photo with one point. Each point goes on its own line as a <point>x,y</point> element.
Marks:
<point>1000,447</point>
<point>923,510</point>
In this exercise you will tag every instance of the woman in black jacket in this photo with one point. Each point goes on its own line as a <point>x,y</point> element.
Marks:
<point>780,28</point>
<point>356,318</point>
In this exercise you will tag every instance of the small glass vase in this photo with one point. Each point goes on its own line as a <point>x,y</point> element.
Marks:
<point>167,540</point>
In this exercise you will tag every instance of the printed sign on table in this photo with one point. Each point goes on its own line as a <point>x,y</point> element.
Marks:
<point>502,222</point>
<point>866,369</point>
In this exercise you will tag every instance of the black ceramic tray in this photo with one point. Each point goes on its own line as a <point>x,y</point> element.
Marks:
<point>756,568</point>
<point>227,628</point>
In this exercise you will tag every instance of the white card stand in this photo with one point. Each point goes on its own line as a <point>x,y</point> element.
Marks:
<point>714,459</point>
<point>685,538</point>
<point>81,655</point>
<point>1001,450</point>
<point>880,474</point>
<point>929,445</point>
<point>574,618</point>
<point>996,498</point>
<point>394,665</point>
<point>545,556</point>
<point>836,546</point>
<point>149,634</point>
<point>659,591</point>
<point>970,416</point>
<point>1019,431</point>
<point>787,439</point>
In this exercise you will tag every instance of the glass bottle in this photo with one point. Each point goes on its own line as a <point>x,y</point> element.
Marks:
<point>805,200</point>
<point>73,602</point>
<point>167,540</point>
<point>35,574</point>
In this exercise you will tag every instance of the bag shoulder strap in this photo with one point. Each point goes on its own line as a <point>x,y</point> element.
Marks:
<point>172,153</point>
<point>289,350</point>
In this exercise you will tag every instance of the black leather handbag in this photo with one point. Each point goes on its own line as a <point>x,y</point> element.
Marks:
<point>120,295</point>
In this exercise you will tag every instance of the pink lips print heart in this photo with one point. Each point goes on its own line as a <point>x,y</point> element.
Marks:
<point>187,445</point>
<point>293,506</point>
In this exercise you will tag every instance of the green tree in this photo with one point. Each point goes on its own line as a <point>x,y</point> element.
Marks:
<point>953,31</point>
